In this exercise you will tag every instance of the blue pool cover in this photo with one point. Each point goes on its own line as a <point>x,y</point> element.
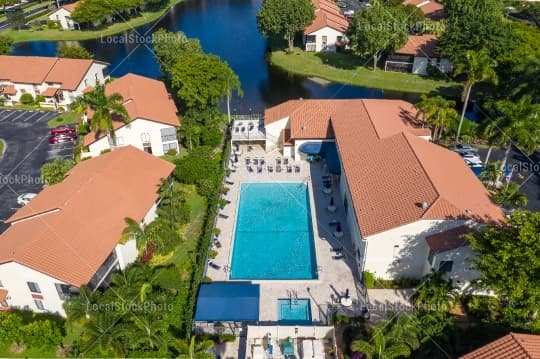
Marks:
<point>227,302</point>
<point>326,149</point>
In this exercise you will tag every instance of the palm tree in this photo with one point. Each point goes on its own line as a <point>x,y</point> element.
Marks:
<point>232,84</point>
<point>106,108</point>
<point>509,196</point>
<point>103,333</point>
<point>79,307</point>
<point>435,291</point>
<point>142,236</point>
<point>526,80</point>
<point>479,67</point>
<point>193,349</point>
<point>149,332</point>
<point>491,173</point>
<point>438,112</point>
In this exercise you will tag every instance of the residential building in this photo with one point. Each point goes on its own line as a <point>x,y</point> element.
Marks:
<point>397,188</point>
<point>62,16</point>
<point>327,32</point>
<point>153,120</point>
<point>431,8</point>
<point>58,80</point>
<point>513,345</point>
<point>417,55</point>
<point>69,235</point>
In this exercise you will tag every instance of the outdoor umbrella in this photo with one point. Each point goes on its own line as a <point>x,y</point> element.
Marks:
<point>235,158</point>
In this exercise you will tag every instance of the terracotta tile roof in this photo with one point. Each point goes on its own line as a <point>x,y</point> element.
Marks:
<point>390,171</point>
<point>37,70</point>
<point>430,8</point>
<point>144,98</point>
<point>8,90</point>
<point>511,346</point>
<point>450,239</point>
<point>71,7</point>
<point>419,45</point>
<point>3,294</point>
<point>278,112</point>
<point>49,91</point>
<point>69,229</point>
<point>327,14</point>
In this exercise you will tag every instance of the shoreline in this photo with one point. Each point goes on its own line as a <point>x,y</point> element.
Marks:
<point>348,70</point>
<point>19,36</point>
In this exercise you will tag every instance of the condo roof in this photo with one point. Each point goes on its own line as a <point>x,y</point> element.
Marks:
<point>69,229</point>
<point>390,171</point>
<point>37,70</point>
<point>449,239</point>
<point>431,8</point>
<point>144,98</point>
<point>327,14</point>
<point>419,45</point>
<point>513,345</point>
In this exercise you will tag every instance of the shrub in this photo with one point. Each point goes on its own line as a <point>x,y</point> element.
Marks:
<point>198,166</point>
<point>172,152</point>
<point>39,99</point>
<point>369,279</point>
<point>207,280</point>
<point>225,338</point>
<point>217,231</point>
<point>341,319</point>
<point>105,151</point>
<point>212,254</point>
<point>51,24</point>
<point>54,172</point>
<point>26,99</point>
<point>482,307</point>
<point>83,129</point>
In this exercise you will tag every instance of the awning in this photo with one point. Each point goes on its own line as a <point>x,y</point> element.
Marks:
<point>8,89</point>
<point>326,149</point>
<point>3,294</point>
<point>228,302</point>
<point>50,92</point>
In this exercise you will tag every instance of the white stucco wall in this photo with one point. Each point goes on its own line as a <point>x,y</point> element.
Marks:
<point>127,253</point>
<point>14,277</point>
<point>462,273</point>
<point>331,38</point>
<point>63,17</point>
<point>151,215</point>
<point>95,75</point>
<point>273,133</point>
<point>131,134</point>
<point>420,65</point>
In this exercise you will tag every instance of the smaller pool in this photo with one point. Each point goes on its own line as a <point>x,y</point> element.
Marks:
<point>297,311</point>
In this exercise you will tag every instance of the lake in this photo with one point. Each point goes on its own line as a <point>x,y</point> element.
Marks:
<point>226,28</point>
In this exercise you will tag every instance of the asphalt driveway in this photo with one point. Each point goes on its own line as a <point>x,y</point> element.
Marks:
<point>27,149</point>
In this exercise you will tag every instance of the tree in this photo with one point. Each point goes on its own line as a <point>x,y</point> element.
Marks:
<point>54,172</point>
<point>106,108</point>
<point>437,112</point>
<point>509,196</point>
<point>168,45</point>
<point>16,18</point>
<point>103,334</point>
<point>193,349</point>
<point>526,77</point>
<point>141,235</point>
<point>90,11</point>
<point>509,265</point>
<point>285,18</point>
<point>5,45</point>
<point>202,80</point>
<point>73,52</point>
<point>491,172</point>
<point>435,293</point>
<point>478,66</point>
<point>475,25</point>
<point>377,29</point>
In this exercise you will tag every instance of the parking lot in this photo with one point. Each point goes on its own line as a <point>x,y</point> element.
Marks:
<point>25,134</point>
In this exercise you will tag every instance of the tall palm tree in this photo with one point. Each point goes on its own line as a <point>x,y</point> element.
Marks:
<point>103,334</point>
<point>79,306</point>
<point>232,84</point>
<point>509,196</point>
<point>193,349</point>
<point>478,66</point>
<point>438,112</point>
<point>142,236</point>
<point>491,172</point>
<point>107,109</point>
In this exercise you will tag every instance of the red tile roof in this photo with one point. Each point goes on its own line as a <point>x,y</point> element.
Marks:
<point>37,70</point>
<point>511,346</point>
<point>450,239</point>
<point>419,45</point>
<point>49,92</point>
<point>431,8</point>
<point>69,229</point>
<point>71,7</point>
<point>8,90</point>
<point>390,171</point>
<point>144,98</point>
<point>327,14</point>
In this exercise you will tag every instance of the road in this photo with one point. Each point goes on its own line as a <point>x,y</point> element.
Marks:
<point>4,24</point>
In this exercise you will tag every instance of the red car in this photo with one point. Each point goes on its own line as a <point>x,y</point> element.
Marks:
<point>62,130</point>
<point>61,138</point>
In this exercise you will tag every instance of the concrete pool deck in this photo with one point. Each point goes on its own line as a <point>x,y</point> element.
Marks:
<point>335,276</point>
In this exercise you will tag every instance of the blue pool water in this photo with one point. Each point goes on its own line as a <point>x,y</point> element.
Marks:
<point>295,311</point>
<point>274,234</point>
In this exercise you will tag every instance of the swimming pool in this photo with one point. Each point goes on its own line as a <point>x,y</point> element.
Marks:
<point>297,311</point>
<point>274,235</point>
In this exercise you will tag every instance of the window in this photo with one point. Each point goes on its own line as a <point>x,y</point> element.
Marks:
<point>145,137</point>
<point>148,149</point>
<point>395,251</point>
<point>34,287</point>
<point>119,141</point>
<point>63,290</point>
<point>168,134</point>
<point>1,285</point>
<point>430,257</point>
<point>346,205</point>
<point>311,38</point>
<point>169,146</point>
<point>85,83</point>
<point>339,38</point>
<point>445,266</point>
<point>39,304</point>
<point>324,40</point>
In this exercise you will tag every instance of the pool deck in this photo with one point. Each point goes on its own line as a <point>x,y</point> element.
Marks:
<point>334,275</point>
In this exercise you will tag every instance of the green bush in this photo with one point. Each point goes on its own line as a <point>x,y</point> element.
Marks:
<point>207,280</point>
<point>171,152</point>
<point>483,307</point>
<point>369,279</point>
<point>83,129</point>
<point>26,99</point>
<point>54,172</point>
<point>39,99</point>
<point>107,150</point>
<point>226,338</point>
<point>212,254</point>
<point>51,24</point>
<point>198,166</point>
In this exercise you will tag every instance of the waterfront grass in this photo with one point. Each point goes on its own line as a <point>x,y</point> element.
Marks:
<point>74,35</point>
<point>349,69</point>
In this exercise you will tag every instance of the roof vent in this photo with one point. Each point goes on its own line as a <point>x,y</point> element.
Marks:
<point>468,211</point>
<point>303,127</point>
<point>424,205</point>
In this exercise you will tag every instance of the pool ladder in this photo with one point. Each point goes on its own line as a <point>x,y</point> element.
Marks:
<point>293,296</point>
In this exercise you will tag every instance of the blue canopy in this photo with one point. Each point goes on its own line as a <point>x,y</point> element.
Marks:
<point>228,302</point>
<point>326,149</point>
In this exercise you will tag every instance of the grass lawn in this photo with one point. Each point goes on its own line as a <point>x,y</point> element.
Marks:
<point>66,118</point>
<point>349,69</point>
<point>67,35</point>
<point>28,353</point>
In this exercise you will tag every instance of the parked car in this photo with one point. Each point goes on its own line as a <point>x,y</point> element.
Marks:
<point>62,129</point>
<point>61,138</point>
<point>464,147</point>
<point>472,159</point>
<point>25,198</point>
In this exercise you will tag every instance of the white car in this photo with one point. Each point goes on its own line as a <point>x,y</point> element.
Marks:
<point>25,198</point>
<point>472,159</point>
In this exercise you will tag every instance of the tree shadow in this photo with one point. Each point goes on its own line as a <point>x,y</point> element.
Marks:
<point>340,60</point>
